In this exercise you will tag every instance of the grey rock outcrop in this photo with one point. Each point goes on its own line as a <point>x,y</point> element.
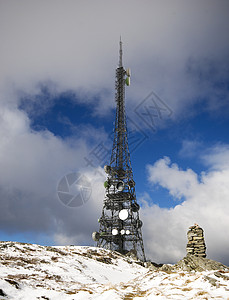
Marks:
<point>198,264</point>
<point>190,263</point>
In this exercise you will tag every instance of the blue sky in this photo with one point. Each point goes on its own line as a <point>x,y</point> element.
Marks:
<point>57,107</point>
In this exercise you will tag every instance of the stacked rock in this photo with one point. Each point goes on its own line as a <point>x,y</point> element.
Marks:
<point>196,245</point>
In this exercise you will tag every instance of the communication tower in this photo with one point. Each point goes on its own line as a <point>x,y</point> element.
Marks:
<point>120,226</point>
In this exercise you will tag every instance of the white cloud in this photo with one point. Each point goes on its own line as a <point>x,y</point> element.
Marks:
<point>217,157</point>
<point>28,156</point>
<point>205,202</point>
<point>178,182</point>
<point>32,163</point>
<point>77,224</point>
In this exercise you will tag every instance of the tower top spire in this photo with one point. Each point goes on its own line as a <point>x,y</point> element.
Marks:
<point>120,53</point>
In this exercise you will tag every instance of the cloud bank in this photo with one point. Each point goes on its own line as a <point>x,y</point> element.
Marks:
<point>178,49</point>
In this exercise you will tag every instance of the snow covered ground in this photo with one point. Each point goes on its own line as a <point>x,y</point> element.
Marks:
<point>70,272</point>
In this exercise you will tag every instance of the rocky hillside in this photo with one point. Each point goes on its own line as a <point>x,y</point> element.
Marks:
<point>70,272</point>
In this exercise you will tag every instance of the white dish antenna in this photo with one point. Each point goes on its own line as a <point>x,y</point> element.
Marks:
<point>114,231</point>
<point>123,214</point>
<point>120,186</point>
<point>95,236</point>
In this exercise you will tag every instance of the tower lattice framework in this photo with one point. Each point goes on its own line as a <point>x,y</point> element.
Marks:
<point>120,225</point>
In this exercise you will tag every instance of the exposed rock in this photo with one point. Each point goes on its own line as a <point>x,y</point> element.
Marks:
<point>13,282</point>
<point>133,254</point>
<point>191,263</point>
<point>2,293</point>
<point>152,265</point>
<point>199,264</point>
<point>211,280</point>
<point>167,268</point>
<point>220,274</point>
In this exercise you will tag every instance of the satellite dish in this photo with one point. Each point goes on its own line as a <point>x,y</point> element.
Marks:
<point>114,231</point>
<point>127,231</point>
<point>123,214</point>
<point>95,236</point>
<point>120,186</point>
<point>122,231</point>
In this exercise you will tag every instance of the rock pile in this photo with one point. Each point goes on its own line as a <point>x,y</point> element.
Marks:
<point>196,245</point>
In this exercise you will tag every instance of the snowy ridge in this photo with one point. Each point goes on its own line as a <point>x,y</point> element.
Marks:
<point>29,271</point>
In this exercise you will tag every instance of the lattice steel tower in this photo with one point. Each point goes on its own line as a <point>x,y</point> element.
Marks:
<point>120,226</point>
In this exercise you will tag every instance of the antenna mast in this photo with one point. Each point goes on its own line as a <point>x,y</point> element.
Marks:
<point>120,226</point>
<point>120,53</point>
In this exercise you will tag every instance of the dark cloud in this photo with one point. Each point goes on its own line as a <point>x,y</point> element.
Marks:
<point>74,46</point>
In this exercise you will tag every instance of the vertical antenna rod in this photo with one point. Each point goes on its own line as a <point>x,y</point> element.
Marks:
<point>120,53</point>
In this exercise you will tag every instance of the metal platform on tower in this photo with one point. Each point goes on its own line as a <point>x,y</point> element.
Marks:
<point>120,225</point>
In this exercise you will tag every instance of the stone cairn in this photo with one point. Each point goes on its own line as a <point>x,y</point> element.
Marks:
<point>196,245</point>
